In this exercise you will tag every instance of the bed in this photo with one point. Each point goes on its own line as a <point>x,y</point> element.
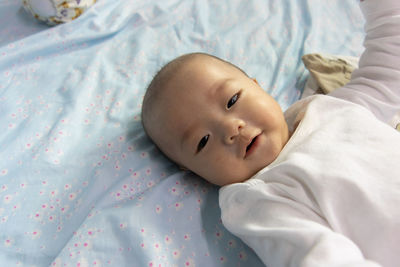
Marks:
<point>80,183</point>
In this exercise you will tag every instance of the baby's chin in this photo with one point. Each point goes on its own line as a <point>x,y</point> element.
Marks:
<point>228,179</point>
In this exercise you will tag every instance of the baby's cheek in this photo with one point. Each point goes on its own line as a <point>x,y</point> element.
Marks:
<point>213,171</point>
<point>220,167</point>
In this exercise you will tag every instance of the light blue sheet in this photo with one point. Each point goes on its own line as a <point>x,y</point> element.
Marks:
<point>80,184</point>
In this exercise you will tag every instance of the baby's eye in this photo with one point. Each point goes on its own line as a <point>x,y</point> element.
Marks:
<point>202,142</point>
<point>233,100</point>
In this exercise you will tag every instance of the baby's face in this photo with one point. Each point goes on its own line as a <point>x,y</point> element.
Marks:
<point>217,122</point>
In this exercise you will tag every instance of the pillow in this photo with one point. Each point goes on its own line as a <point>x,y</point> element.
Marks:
<point>327,72</point>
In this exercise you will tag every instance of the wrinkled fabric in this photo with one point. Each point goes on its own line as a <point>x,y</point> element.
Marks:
<point>80,183</point>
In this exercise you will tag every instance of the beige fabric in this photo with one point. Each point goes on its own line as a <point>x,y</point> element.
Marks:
<point>329,72</point>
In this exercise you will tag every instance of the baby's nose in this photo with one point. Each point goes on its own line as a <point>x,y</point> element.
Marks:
<point>232,129</point>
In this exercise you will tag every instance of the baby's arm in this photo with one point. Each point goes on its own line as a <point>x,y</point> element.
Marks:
<point>284,232</point>
<point>376,84</point>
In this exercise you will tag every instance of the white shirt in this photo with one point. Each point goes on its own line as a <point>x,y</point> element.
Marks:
<point>332,197</point>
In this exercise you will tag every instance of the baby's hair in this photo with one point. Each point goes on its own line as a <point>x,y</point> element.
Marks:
<point>162,78</point>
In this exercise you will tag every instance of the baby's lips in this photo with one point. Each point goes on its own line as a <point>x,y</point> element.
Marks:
<point>249,144</point>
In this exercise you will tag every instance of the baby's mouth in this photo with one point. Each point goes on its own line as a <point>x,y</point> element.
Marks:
<point>251,143</point>
<point>252,146</point>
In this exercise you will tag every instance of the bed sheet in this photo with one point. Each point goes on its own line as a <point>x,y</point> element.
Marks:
<point>80,183</point>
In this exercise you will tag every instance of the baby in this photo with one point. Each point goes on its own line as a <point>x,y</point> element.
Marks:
<point>211,118</point>
<point>318,185</point>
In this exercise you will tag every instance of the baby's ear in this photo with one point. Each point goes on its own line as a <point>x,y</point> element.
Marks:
<point>255,80</point>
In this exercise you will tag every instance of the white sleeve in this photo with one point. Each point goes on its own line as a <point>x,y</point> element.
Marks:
<point>376,84</point>
<point>284,232</point>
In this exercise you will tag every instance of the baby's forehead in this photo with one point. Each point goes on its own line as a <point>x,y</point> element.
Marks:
<point>198,67</point>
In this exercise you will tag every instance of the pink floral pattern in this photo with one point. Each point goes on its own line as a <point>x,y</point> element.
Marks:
<point>80,183</point>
